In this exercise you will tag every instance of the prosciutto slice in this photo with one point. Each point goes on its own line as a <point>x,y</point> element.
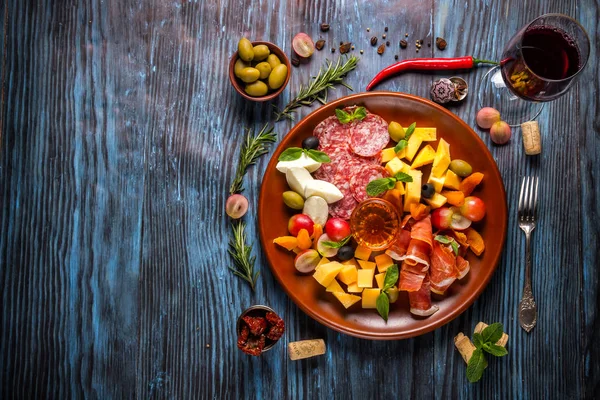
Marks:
<point>398,248</point>
<point>420,300</point>
<point>411,277</point>
<point>420,244</point>
<point>443,267</point>
<point>462,267</point>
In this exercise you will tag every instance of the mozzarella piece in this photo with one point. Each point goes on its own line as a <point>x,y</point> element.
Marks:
<point>317,209</point>
<point>303,162</point>
<point>297,178</point>
<point>323,189</point>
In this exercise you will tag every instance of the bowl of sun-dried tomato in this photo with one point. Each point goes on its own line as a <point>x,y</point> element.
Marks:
<point>258,329</point>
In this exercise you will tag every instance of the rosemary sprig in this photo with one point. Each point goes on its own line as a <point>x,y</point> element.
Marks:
<point>316,90</point>
<point>254,147</point>
<point>240,252</point>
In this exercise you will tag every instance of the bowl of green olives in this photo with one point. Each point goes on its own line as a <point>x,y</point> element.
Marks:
<point>259,71</point>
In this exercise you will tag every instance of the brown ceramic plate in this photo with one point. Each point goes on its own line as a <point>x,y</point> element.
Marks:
<point>322,306</point>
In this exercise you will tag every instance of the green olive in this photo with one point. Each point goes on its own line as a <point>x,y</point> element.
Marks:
<point>393,294</point>
<point>278,76</point>
<point>257,89</point>
<point>293,200</point>
<point>239,66</point>
<point>273,60</point>
<point>249,74</point>
<point>245,49</point>
<point>264,68</point>
<point>261,52</point>
<point>461,168</point>
<point>396,131</point>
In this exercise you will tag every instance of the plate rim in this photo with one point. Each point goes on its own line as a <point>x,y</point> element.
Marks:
<point>385,335</point>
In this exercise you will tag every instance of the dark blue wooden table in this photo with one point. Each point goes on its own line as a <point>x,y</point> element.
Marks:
<point>119,138</point>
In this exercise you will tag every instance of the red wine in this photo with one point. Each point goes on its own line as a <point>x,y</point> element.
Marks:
<point>550,53</point>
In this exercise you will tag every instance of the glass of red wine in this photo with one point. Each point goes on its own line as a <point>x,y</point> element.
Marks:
<point>539,64</point>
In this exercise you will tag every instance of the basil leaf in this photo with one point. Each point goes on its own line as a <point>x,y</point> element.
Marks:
<point>383,305</point>
<point>400,146</point>
<point>478,340</point>
<point>336,245</point>
<point>379,186</point>
<point>492,333</point>
<point>454,246</point>
<point>343,116</point>
<point>477,363</point>
<point>290,154</point>
<point>495,350</point>
<point>410,130</point>
<point>443,239</point>
<point>317,155</point>
<point>391,277</point>
<point>360,113</point>
<point>402,177</point>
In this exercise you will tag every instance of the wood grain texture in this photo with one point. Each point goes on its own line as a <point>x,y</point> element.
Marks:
<point>119,134</point>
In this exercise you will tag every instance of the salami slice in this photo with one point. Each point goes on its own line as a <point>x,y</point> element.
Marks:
<point>360,180</point>
<point>344,207</point>
<point>369,136</point>
<point>331,132</point>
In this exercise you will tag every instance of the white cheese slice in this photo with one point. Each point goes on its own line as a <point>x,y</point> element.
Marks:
<point>297,178</point>
<point>303,162</point>
<point>323,189</point>
<point>317,209</point>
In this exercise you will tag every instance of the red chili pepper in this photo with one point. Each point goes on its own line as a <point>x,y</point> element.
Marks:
<point>466,62</point>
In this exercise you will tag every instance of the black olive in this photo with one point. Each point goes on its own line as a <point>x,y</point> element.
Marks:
<point>427,190</point>
<point>311,142</point>
<point>345,252</point>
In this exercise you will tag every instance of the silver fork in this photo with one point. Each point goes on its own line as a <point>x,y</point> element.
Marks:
<point>526,214</point>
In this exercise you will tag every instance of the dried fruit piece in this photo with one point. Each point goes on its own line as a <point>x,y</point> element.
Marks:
<point>304,241</point>
<point>469,183</point>
<point>345,47</point>
<point>287,242</point>
<point>320,44</point>
<point>454,197</point>
<point>476,243</point>
<point>419,211</point>
<point>257,325</point>
<point>381,49</point>
<point>277,326</point>
<point>440,43</point>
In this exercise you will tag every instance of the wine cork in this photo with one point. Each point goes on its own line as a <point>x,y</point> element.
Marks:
<point>532,140</point>
<point>464,346</point>
<point>306,349</point>
<point>501,342</point>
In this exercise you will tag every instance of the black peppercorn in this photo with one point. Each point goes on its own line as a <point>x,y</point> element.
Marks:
<point>385,29</point>
<point>387,43</point>
<point>324,27</point>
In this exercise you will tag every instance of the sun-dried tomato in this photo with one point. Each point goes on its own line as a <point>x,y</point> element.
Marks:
<point>243,337</point>
<point>277,326</point>
<point>257,325</point>
<point>254,346</point>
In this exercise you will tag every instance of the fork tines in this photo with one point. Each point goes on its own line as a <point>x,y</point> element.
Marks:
<point>528,198</point>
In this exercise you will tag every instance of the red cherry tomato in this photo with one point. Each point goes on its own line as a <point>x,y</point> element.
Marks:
<point>337,229</point>
<point>473,208</point>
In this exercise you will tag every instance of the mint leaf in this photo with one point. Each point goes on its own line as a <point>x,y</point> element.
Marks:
<point>402,177</point>
<point>400,146</point>
<point>492,333</point>
<point>477,340</point>
<point>454,246</point>
<point>495,350</point>
<point>443,239</point>
<point>383,305</point>
<point>410,130</point>
<point>359,113</point>
<point>477,363</point>
<point>290,154</point>
<point>336,245</point>
<point>317,155</point>
<point>379,186</point>
<point>343,116</point>
<point>391,277</point>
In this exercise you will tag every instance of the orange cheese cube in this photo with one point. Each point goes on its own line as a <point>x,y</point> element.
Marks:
<point>367,264</point>
<point>334,287</point>
<point>365,278</point>
<point>348,274</point>
<point>369,298</point>
<point>362,253</point>
<point>383,262</point>
<point>379,278</point>
<point>346,299</point>
<point>353,288</point>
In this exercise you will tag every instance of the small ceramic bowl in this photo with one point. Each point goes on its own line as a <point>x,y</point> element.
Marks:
<point>256,311</point>
<point>238,84</point>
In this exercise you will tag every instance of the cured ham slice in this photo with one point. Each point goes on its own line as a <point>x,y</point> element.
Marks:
<point>462,267</point>
<point>420,300</point>
<point>398,248</point>
<point>443,268</point>
<point>421,230</point>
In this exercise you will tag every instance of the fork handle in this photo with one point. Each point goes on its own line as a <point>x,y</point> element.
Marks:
<point>527,307</point>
